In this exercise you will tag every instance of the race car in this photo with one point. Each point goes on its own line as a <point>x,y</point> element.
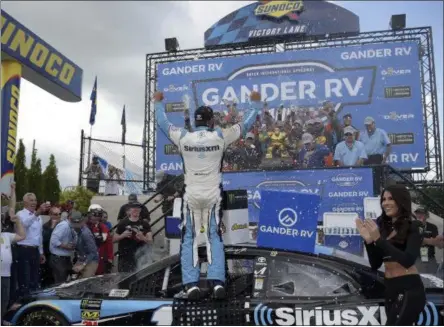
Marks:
<point>264,287</point>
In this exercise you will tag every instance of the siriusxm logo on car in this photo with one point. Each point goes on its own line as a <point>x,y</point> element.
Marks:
<point>374,315</point>
<point>287,219</point>
<point>347,179</point>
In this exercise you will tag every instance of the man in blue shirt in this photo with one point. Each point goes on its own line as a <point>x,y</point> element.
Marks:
<point>350,152</point>
<point>376,141</point>
<point>61,246</point>
<point>87,252</point>
<point>312,155</point>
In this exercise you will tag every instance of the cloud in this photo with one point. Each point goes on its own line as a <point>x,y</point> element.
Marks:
<point>108,39</point>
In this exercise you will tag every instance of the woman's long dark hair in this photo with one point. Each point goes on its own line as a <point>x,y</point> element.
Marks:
<point>403,200</point>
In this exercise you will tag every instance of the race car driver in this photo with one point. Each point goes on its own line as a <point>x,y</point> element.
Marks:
<point>202,152</point>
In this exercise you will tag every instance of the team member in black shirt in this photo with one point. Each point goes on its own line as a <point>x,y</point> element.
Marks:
<point>132,234</point>
<point>426,262</point>
<point>395,240</point>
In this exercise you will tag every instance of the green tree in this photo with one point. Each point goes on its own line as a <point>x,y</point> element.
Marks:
<point>50,181</point>
<point>80,195</point>
<point>20,172</point>
<point>35,177</point>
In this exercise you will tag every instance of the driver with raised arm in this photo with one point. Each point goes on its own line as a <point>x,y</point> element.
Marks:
<point>202,151</point>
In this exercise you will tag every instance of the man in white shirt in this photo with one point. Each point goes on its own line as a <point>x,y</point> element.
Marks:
<point>30,250</point>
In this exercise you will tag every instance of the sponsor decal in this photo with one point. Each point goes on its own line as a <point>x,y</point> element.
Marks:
<point>175,107</point>
<point>398,92</point>
<point>90,315</point>
<point>398,117</point>
<point>343,244</point>
<point>378,53</point>
<point>395,72</point>
<point>232,197</point>
<point>236,250</point>
<point>340,231</point>
<point>347,180</point>
<point>239,226</point>
<point>173,88</point>
<point>90,311</point>
<point>118,293</point>
<point>287,219</point>
<point>348,194</point>
<point>206,148</point>
<point>373,315</point>
<point>278,9</point>
<point>401,138</point>
<point>171,149</point>
<point>347,207</point>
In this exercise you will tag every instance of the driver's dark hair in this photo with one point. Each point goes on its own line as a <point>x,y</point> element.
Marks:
<point>403,200</point>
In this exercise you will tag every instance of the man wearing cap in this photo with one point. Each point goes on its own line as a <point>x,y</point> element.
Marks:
<point>87,252</point>
<point>426,263</point>
<point>347,121</point>
<point>312,155</point>
<point>376,142</point>
<point>202,152</point>
<point>349,152</point>
<point>169,187</point>
<point>250,153</point>
<point>123,212</point>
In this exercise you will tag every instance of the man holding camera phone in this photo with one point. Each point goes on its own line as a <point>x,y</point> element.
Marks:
<point>132,234</point>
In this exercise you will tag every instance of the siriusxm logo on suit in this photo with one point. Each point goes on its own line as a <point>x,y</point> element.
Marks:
<point>288,220</point>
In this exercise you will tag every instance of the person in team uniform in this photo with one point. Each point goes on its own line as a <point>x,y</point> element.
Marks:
<point>202,151</point>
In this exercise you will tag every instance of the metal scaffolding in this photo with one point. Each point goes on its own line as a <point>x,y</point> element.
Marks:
<point>421,35</point>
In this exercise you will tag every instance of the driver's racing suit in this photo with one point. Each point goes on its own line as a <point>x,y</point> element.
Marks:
<point>202,152</point>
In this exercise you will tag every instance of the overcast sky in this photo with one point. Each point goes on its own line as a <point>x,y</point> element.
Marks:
<point>111,39</point>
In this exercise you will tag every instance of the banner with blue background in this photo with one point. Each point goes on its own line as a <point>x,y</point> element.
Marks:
<point>341,190</point>
<point>378,80</point>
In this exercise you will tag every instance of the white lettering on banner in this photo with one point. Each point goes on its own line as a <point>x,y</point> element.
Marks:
<point>397,117</point>
<point>361,316</point>
<point>379,53</point>
<point>350,207</point>
<point>347,194</point>
<point>285,91</point>
<point>171,166</point>
<point>405,157</point>
<point>347,179</point>
<point>277,31</point>
<point>191,69</point>
<point>286,231</point>
<point>395,72</point>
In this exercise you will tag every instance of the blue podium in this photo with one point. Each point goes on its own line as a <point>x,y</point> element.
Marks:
<point>288,220</point>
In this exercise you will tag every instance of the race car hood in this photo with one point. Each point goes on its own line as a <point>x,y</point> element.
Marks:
<point>97,285</point>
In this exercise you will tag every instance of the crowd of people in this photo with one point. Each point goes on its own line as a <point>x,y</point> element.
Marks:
<point>302,138</point>
<point>69,245</point>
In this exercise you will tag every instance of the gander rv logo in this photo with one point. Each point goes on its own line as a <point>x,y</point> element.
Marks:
<point>279,9</point>
<point>346,180</point>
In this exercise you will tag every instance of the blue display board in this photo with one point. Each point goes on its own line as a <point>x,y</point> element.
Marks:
<point>288,220</point>
<point>341,190</point>
<point>378,80</point>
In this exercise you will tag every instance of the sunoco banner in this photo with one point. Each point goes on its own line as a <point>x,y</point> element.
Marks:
<point>382,81</point>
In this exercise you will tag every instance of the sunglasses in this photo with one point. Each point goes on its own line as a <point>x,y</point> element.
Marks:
<point>348,134</point>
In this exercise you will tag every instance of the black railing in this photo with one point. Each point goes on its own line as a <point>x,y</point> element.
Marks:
<point>393,175</point>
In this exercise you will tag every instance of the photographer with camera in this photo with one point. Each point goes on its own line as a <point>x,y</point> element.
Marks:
<point>132,234</point>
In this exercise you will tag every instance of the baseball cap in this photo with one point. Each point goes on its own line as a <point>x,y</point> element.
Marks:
<point>132,198</point>
<point>348,115</point>
<point>349,129</point>
<point>249,136</point>
<point>307,138</point>
<point>76,217</point>
<point>134,205</point>
<point>203,113</point>
<point>421,209</point>
<point>368,120</point>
